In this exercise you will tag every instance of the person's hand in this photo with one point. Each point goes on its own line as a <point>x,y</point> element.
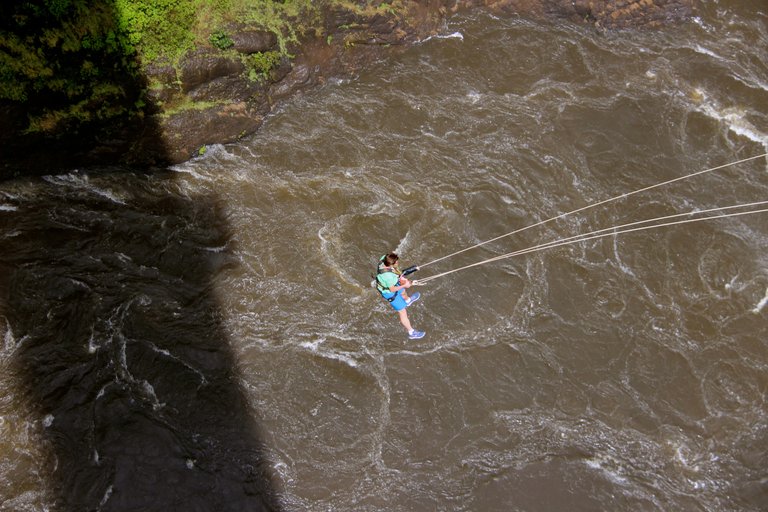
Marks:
<point>406,283</point>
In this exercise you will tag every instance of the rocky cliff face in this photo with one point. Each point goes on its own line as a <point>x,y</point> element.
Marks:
<point>352,41</point>
<point>213,97</point>
<point>233,103</point>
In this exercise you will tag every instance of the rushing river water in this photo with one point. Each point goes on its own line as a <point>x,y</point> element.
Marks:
<point>206,338</point>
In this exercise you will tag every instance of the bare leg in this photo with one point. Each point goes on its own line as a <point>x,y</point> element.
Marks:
<point>404,320</point>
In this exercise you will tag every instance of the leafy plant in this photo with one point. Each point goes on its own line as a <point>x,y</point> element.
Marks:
<point>261,63</point>
<point>160,29</point>
<point>221,40</point>
<point>69,63</point>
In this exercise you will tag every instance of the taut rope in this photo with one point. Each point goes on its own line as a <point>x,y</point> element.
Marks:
<point>601,234</point>
<point>583,208</point>
<point>614,230</point>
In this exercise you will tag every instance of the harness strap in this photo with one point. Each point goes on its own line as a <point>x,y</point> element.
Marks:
<point>381,269</point>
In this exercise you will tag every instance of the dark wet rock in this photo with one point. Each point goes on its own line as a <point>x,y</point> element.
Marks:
<point>186,132</point>
<point>204,66</point>
<point>298,78</point>
<point>232,87</point>
<point>340,19</point>
<point>253,41</point>
<point>281,71</point>
<point>165,83</point>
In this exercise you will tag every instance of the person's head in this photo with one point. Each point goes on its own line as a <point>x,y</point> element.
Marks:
<point>390,260</point>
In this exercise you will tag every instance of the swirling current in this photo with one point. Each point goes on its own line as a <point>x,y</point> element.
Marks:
<point>206,338</point>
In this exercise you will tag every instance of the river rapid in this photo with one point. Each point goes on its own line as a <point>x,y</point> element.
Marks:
<point>206,338</point>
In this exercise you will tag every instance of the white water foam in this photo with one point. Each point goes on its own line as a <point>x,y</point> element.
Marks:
<point>93,346</point>
<point>606,466</point>
<point>9,341</point>
<point>733,117</point>
<point>188,169</point>
<point>404,243</point>
<point>106,497</point>
<point>79,181</point>
<point>761,304</point>
<point>455,35</point>
<point>705,51</point>
<point>149,392</point>
<point>344,357</point>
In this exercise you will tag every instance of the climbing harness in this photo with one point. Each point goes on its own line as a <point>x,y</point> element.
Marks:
<point>611,231</point>
<point>383,269</point>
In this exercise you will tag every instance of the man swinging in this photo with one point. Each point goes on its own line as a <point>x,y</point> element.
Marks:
<point>392,283</point>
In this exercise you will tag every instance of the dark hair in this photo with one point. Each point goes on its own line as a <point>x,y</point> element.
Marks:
<point>390,259</point>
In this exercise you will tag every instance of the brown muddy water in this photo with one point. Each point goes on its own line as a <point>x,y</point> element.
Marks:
<point>206,338</point>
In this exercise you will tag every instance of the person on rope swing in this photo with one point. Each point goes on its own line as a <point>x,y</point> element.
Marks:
<point>391,284</point>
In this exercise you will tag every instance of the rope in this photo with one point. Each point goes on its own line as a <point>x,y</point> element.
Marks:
<point>601,233</point>
<point>583,208</point>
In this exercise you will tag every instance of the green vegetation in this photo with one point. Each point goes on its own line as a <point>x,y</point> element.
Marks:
<point>62,53</point>
<point>260,64</point>
<point>163,30</point>
<point>80,61</point>
<point>221,40</point>
<point>152,26</point>
<point>186,104</point>
<point>69,62</point>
